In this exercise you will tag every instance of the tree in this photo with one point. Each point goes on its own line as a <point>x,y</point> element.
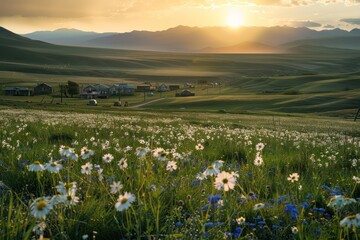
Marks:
<point>73,88</point>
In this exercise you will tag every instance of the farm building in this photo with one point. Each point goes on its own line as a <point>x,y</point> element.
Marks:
<point>123,89</point>
<point>162,88</point>
<point>143,88</point>
<point>43,88</point>
<point>104,90</point>
<point>18,91</point>
<point>185,93</point>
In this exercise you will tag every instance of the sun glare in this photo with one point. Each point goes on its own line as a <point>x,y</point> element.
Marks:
<point>234,19</point>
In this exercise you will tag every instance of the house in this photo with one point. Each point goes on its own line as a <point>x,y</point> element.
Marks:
<point>43,88</point>
<point>162,88</point>
<point>185,93</point>
<point>18,91</point>
<point>122,89</point>
<point>174,87</point>
<point>143,88</point>
<point>96,91</point>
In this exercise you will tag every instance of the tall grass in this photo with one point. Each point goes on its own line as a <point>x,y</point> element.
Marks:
<point>178,203</point>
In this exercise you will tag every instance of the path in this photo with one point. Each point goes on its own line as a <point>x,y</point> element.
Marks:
<point>145,103</point>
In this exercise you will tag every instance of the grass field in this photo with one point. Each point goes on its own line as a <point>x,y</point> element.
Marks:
<point>272,153</point>
<point>158,175</point>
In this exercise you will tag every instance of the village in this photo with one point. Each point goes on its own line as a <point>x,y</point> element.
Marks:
<point>104,91</point>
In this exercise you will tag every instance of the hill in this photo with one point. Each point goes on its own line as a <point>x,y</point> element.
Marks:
<point>246,47</point>
<point>65,36</point>
<point>351,42</point>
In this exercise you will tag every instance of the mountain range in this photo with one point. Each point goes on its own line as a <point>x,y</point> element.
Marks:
<point>206,39</point>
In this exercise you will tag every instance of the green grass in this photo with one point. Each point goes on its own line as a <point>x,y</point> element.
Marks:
<point>175,204</point>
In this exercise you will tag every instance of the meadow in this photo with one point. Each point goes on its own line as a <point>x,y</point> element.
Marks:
<point>142,175</point>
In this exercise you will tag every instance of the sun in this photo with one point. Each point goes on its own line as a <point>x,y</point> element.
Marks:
<point>234,19</point>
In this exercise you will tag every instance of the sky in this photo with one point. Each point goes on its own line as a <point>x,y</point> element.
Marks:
<point>25,16</point>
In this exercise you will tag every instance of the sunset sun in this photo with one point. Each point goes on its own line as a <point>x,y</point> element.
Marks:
<point>234,19</point>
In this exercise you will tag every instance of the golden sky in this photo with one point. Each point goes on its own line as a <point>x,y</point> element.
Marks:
<point>24,16</point>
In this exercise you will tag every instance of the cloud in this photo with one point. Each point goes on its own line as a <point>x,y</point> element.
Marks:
<point>80,8</point>
<point>353,21</point>
<point>328,26</point>
<point>46,8</point>
<point>308,24</point>
<point>302,2</point>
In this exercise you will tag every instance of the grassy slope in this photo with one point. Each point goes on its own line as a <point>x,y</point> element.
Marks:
<point>327,80</point>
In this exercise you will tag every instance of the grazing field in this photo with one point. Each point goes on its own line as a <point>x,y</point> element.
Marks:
<point>142,175</point>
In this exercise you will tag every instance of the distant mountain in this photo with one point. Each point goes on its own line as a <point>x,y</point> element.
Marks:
<point>65,36</point>
<point>351,42</point>
<point>246,47</point>
<point>186,39</point>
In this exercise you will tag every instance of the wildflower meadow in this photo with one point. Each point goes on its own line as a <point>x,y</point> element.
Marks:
<point>136,175</point>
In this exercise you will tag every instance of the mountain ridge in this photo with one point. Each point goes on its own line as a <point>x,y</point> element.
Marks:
<point>187,39</point>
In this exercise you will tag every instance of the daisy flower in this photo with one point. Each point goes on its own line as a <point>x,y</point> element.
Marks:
<point>124,201</point>
<point>356,179</point>
<point>116,187</point>
<point>240,220</point>
<point>108,158</point>
<point>339,201</point>
<point>65,150</point>
<point>199,147</point>
<point>294,230</point>
<point>86,153</point>
<point>294,177</point>
<point>225,181</point>
<point>211,170</point>
<point>171,166</point>
<point>349,221</point>
<point>260,147</point>
<point>123,163</point>
<point>258,160</point>
<point>53,166</point>
<point>36,167</point>
<point>141,152</point>
<point>259,206</point>
<point>86,168</point>
<point>40,207</point>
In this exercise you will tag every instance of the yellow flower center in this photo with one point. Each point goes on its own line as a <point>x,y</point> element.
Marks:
<point>123,201</point>
<point>53,164</point>
<point>37,163</point>
<point>351,217</point>
<point>40,205</point>
<point>225,181</point>
<point>211,167</point>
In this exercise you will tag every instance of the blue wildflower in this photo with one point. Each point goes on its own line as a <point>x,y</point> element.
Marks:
<point>214,198</point>
<point>178,224</point>
<point>292,210</point>
<point>209,225</point>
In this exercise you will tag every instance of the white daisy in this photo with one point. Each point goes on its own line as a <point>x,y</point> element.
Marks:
<point>171,166</point>
<point>40,207</point>
<point>116,187</point>
<point>108,158</point>
<point>294,177</point>
<point>86,168</point>
<point>225,181</point>
<point>123,163</point>
<point>124,201</point>
<point>36,167</point>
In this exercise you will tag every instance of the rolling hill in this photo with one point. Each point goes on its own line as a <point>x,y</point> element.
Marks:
<point>246,47</point>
